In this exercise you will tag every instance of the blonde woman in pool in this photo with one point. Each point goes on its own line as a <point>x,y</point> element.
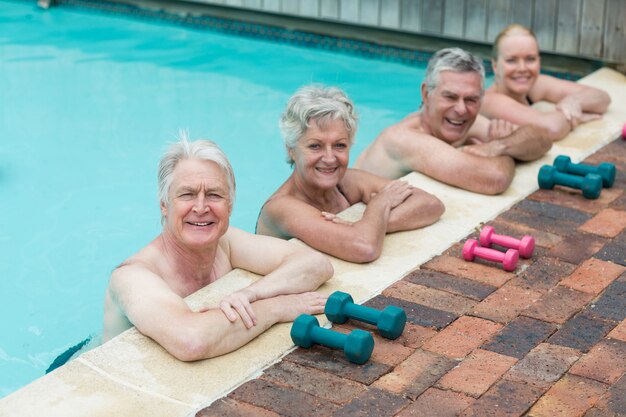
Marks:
<point>318,127</point>
<point>518,84</point>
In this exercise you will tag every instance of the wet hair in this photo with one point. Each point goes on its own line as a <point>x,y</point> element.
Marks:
<point>204,150</point>
<point>452,59</point>
<point>512,29</point>
<point>319,103</point>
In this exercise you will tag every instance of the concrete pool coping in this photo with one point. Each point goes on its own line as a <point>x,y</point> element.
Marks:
<point>132,375</point>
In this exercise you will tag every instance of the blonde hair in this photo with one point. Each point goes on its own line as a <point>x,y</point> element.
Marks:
<point>512,29</point>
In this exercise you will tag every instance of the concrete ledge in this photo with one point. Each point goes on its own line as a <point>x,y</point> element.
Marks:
<point>132,375</point>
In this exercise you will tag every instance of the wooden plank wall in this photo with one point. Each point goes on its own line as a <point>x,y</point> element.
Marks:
<point>588,28</point>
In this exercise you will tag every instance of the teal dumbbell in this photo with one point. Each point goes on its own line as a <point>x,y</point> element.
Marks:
<point>590,184</point>
<point>606,170</point>
<point>357,345</point>
<point>390,322</point>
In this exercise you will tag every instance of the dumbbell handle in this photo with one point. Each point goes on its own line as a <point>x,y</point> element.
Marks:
<point>362,313</point>
<point>489,254</point>
<point>329,338</point>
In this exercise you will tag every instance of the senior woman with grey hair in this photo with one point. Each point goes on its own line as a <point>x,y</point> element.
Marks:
<point>318,127</point>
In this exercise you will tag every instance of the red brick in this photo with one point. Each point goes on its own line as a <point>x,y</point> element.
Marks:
<point>543,274</point>
<point>389,352</point>
<point>232,408</point>
<point>281,400</point>
<point>416,374</point>
<point>477,372</point>
<point>437,403</point>
<point>504,399</point>
<point>456,285</point>
<point>569,397</point>
<point>506,303</point>
<point>619,332</point>
<point>415,313</point>
<point>613,402</point>
<point>462,336</point>
<point>605,362</point>
<point>593,276</point>
<point>430,297</point>
<point>519,337</point>
<point>372,403</point>
<point>575,200</point>
<point>607,223</point>
<point>461,268</point>
<point>312,381</point>
<point>577,247</point>
<point>414,335</point>
<point>543,365</point>
<point>558,305</point>
<point>542,238</point>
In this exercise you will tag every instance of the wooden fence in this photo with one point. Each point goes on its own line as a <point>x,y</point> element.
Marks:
<point>594,29</point>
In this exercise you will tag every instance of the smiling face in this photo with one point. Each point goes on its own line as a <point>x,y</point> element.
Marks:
<point>198,212</point>
<point>517,66</point>
<point>321,156</point>
<point>451,108</point>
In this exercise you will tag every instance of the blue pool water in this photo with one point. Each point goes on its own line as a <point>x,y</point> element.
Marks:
<point>88,102</point>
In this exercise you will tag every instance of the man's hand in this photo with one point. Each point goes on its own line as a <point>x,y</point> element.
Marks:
<point>291,306</point>
<point>238,305</point>
<point>394,192</point>
<point>499,128</point>
<point>486,150</point>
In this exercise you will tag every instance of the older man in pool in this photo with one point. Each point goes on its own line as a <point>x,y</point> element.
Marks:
<point>196,247</point>
<point>448,140</point>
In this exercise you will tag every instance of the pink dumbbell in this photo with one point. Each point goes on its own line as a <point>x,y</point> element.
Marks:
<point>508,258</point>
<point>525,246</point>
<point>624,132</point>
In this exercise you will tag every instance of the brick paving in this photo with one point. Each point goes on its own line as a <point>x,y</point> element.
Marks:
<point>548,339</point>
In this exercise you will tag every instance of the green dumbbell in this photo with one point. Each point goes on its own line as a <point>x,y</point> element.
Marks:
<point>357,345</point>
<point>590,184</point>
<point>606,170</point>
<point>390,322</point>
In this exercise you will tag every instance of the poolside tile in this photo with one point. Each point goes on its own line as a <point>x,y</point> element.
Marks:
<point>558,305</point>
<point>233,408</point>
<point>577,247</point>
<point>437,403</point>
<point>582,331</point>
<point>373,402</point>
<point>418,372</point>
<point>388,352</point>
<point>543,365</point>
<point>593,276</point>
<point>570,396</point>
<point>462,336</point>
<point>334,362</point>
<point>605,362</point>
<point>506,303</point>
<point>445,282</point>
<point>519,337</point>
<point>612,403</point>
<point>282,400</point>
<point>416,313</point>
<point>490,275</point>
<point>321,384</point>
<point>544,274</point>
<point>504,399</point>
<point>608,223</point>
<point>611,304</point>
<point>430,297</point>
<point>480,370</point>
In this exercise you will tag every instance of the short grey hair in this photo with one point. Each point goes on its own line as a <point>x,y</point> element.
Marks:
<point>456,60</point>
<point>204,150</point>
<point>319,103</point>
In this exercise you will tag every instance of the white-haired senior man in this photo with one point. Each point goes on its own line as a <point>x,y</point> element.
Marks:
<point>198,246</point>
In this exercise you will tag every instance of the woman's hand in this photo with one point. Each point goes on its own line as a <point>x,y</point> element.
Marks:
<point>238,304</point>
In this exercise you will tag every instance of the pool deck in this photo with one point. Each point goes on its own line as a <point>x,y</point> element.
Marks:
<point>548,339</point>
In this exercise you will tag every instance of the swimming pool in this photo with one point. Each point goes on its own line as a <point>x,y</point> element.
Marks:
<point>89,102</point>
